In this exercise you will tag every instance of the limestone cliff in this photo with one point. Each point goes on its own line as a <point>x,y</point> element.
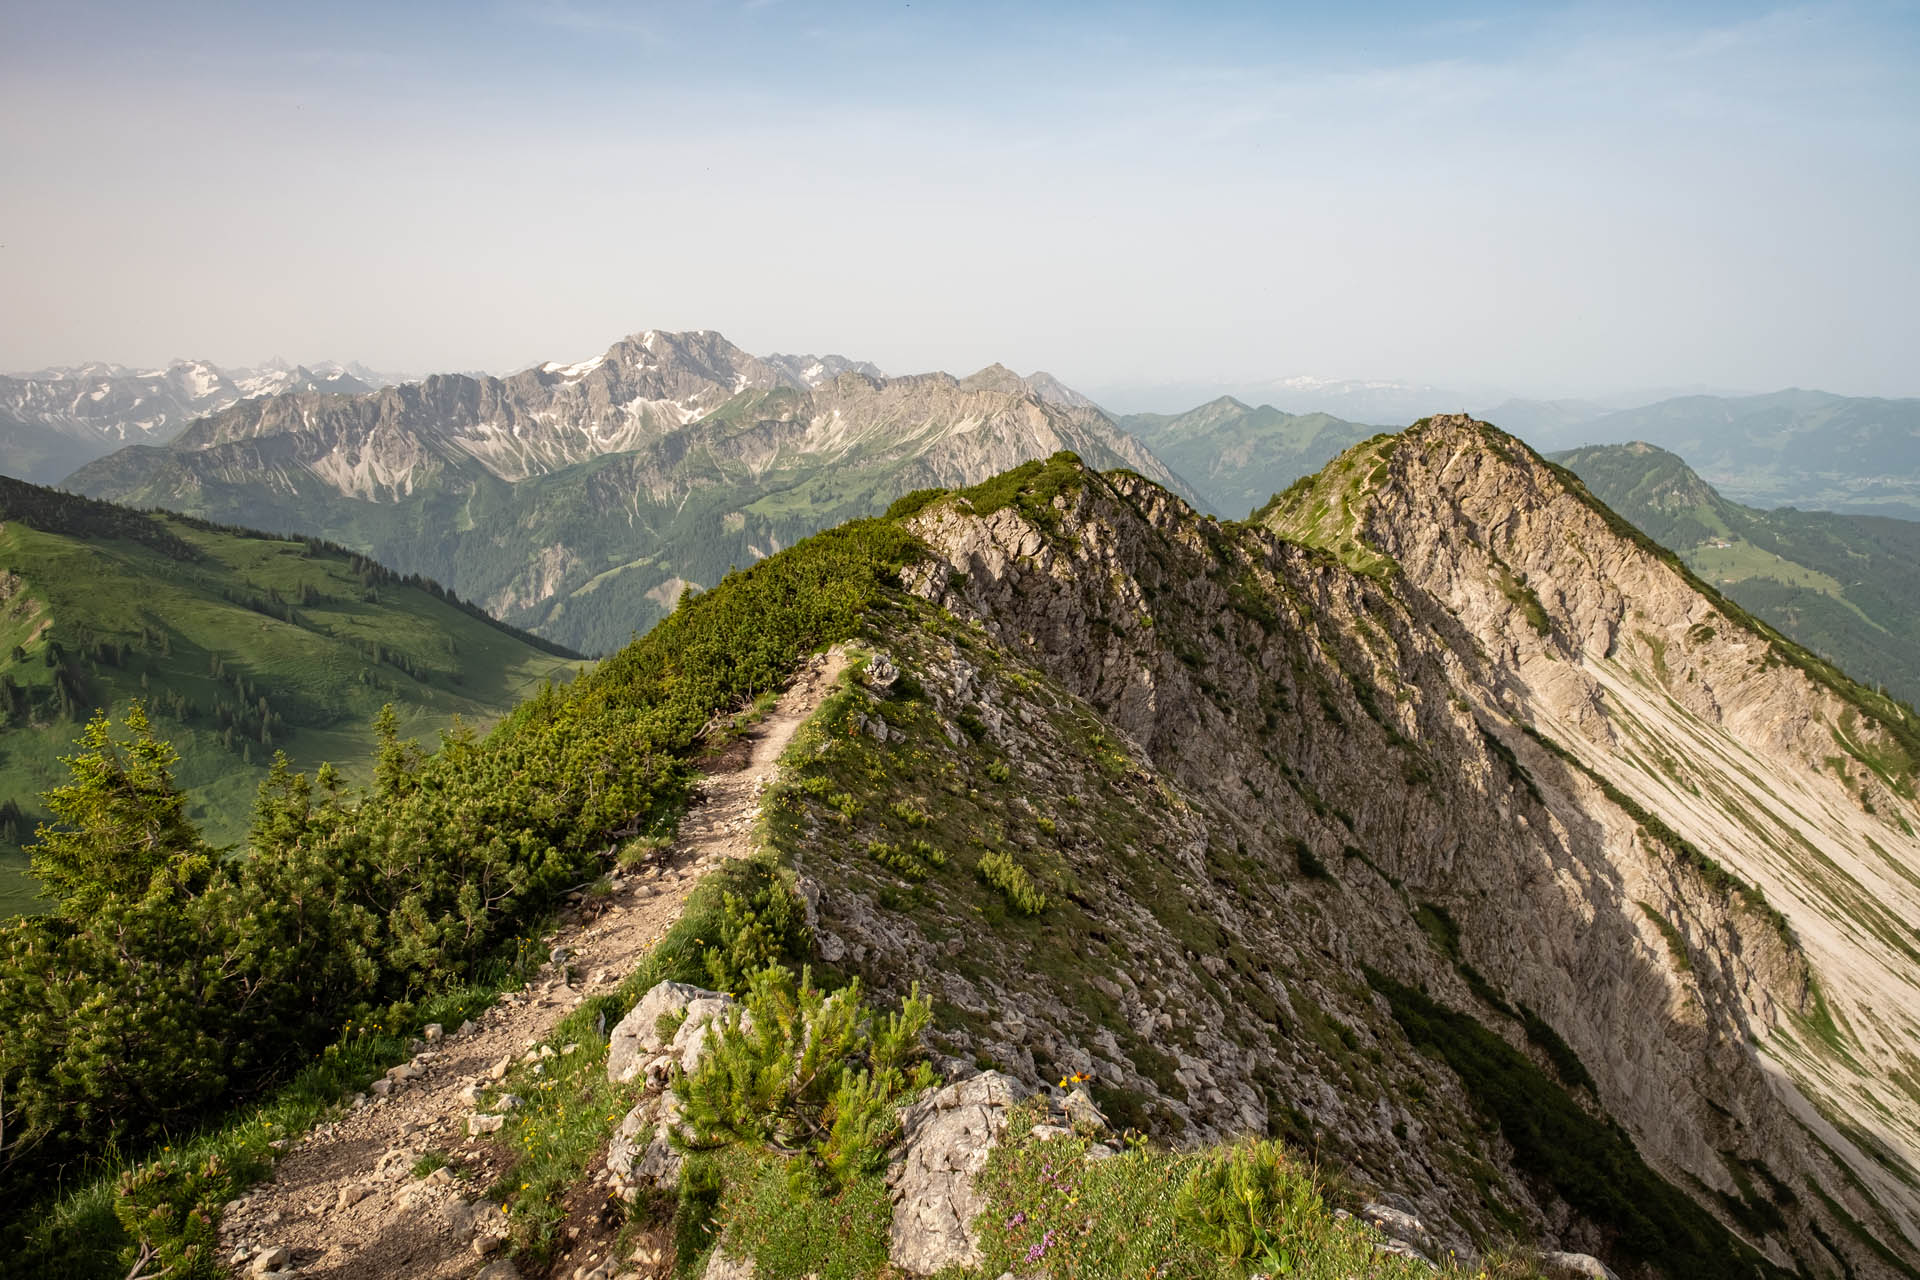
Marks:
<point>1433,820</point>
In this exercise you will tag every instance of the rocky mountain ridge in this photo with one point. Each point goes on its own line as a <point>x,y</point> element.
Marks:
<point>1434,821</point>
<point>53,420</point>
<point>580,500</point>
<point>1403,786</point>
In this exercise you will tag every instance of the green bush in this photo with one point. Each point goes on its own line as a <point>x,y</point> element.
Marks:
<point>1216,1214</point>
<point>1252,1204</point>
<point>915,860</point>
<point>173,1205</point>
<point>998,869</point>
<point>754,928</point>
<point>178,983</point>
<point>806,1073</point>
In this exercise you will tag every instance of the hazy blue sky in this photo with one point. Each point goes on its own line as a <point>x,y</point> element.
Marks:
<point>1553,200</point>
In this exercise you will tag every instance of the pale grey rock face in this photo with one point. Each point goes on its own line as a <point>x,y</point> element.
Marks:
<point>723,1266</point>
<point>642,1149</point>
<point>1574,1266</point>
<point>602,477</point>
<point>691,1040</point>
<point>53,420</point>
<point>1425,791</point>
<point>945,1141</point>
<point>637,1036</point>
<point>1401,1226</point>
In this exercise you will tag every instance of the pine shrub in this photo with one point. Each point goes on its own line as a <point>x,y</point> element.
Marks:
<point>1247,1202</point>
<point>999,869</point>
<point>804,1073</point>
<point>175,982</point>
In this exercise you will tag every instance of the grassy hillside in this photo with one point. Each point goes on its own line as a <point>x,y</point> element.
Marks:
<point>1845,586</point>
<point>240,644</point>
<point>1239,456</point>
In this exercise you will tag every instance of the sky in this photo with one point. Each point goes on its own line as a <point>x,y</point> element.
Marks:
<point>1554,201</point>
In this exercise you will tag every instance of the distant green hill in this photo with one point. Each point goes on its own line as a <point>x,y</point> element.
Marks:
<point>1846,586</point>
<point>1238,456</point>
<point>1808,449</point>
<point>240,644</point>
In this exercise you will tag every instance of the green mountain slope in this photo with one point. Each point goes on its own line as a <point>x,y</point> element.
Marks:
<point>1845,586</point>
<point>1238,456</point>
<point>240,644</point>
<point>1788,448</point>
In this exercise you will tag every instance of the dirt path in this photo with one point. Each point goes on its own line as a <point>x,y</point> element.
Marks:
<point>344,1203</point>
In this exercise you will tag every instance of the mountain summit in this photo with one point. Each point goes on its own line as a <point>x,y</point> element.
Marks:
<point>580,500</point>
<point>1435,819</point>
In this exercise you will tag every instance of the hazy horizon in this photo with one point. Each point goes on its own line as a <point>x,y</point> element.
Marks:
<point>1574,202</point>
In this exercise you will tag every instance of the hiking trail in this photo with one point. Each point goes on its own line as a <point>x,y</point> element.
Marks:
<point>343,1202</point>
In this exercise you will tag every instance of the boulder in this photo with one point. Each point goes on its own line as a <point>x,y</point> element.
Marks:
<point>270,1259</point>
<point>1082,1112</point>
<point>722,1267</point>
<point>690,1041</point>
<point>641,1149</point>
<point>1574,1266</point>
<point>880,673</point>
<point>945,1142</point>
<point>1400,1225</point>
<point>637,1035</point>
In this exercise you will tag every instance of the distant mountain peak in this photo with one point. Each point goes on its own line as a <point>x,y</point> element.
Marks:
<point>811,370</point>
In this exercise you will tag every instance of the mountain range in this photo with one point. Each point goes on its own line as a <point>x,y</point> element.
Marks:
<point>54,420</point>
<point>580,500</point>
<point>1238,456</point>
<point>1807,449</point>
<point>1433,820</point>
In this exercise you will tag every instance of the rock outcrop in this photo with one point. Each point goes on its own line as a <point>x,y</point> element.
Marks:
<point>946,1139</point>
<point>1301,846</point>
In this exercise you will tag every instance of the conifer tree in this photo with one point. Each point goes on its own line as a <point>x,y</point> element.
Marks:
<point>281,808</point>
<point>119,822</point>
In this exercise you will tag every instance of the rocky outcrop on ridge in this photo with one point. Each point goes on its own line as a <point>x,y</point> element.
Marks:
<point>1302,845</point>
